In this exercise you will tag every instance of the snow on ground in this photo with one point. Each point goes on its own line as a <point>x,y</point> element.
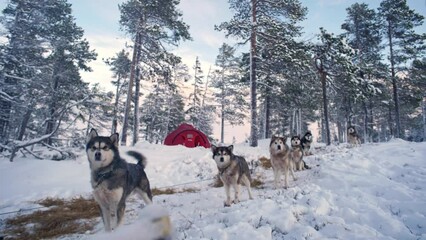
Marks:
<point>376,191</point>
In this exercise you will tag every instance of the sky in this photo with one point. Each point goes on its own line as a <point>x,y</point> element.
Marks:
<point>99,19</point>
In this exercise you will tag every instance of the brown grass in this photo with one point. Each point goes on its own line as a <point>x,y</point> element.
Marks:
<point>63,217</point>
<point>169,191</point>
<point>265,163</point>
<point>255,183</point>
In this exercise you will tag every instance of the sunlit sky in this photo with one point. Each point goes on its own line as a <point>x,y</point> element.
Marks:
<point>99,19</point>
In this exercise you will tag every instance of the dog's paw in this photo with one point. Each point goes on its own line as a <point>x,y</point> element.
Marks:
<point>226,204</point>
<point>236,201</point>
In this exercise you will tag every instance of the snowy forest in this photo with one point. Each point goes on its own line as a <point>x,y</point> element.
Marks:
<point>373,76</point>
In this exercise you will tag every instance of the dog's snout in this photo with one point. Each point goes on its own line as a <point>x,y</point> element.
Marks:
<point>221,159</point>
<point>279,147</point>
<point>98,156</point>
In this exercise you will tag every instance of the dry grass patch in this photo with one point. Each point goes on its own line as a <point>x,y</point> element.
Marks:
<point>257,183</point>
<point>63,217</point>
<point>265,162</point>
<point>169,191</point>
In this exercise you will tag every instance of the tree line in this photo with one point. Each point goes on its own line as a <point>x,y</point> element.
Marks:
<point>371,76</point>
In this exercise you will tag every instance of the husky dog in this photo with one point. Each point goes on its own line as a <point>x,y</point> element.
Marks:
<point>233,170</point>
<point>353,137</point>
<point>280,159</point>
<point>306,143</point>
<point>113,179</point>
<point>296,153</point>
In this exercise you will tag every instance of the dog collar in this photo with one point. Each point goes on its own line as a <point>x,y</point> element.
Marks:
<point>222,170</point>
<point>102,175</point>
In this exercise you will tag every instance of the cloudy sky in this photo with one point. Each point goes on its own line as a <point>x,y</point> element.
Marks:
<point>99,19</point>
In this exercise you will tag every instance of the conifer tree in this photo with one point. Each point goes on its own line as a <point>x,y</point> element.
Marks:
<point>403,44</point>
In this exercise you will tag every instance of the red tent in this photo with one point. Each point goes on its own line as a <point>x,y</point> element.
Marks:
<point>188,136</point>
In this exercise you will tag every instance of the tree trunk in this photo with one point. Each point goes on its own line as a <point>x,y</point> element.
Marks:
<point>394,83</point>
<point>130,90</point>
<point>222,123</point>
<point>267,116</point>
<point>115,111</point>
<point>253,95</point>
<point>24,124</point>
<point>136,100</point>
<point>366,131</point>
<point>324,98</point>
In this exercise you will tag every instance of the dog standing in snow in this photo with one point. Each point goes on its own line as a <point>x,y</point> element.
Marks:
<point>296,153</point>
<point>353,137</point>
<point>281,160</point>
<point>233,170</point>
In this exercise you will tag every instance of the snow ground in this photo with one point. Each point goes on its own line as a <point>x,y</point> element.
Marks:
<point>376,191</point>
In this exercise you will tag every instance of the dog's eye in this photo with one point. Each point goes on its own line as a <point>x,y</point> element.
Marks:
<point>225,153</point>
<point>105,148</point>
<point>94,148</point>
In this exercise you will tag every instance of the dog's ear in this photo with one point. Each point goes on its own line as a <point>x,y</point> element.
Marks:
<point>91,135</point>
<point>213,147</point>
<point>114,139</point>
<point>230,148</point>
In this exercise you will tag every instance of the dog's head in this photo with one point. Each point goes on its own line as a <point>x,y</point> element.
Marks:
<point>351,129</point>
<point>295,141</point>
<point>222,155</point>
<point>101,150</point>
<point>308,136</point>
<point>278,144</point>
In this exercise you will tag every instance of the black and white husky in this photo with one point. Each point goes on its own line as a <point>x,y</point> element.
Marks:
<point>296,153</point>
<point>113,179</point>
<point>306,143</point>
<point>233,170</point>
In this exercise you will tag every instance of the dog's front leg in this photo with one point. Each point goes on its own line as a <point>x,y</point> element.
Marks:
<point>115,197</point>
<point>228,194</point>
<point>105,217</point>
<point>276,177</point>
<point>236,187</point>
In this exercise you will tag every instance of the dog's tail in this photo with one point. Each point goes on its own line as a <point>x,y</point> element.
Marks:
<point>141,158</point>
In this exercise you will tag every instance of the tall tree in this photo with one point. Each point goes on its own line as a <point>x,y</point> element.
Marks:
<point>403,43</point>
<point>362,30</point>
<point>251,22</point>
<point>230,92</point>
<point>152,24</point>
<point>120,66</point>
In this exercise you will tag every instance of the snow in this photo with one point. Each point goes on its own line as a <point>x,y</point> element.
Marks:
<point>376,191</point>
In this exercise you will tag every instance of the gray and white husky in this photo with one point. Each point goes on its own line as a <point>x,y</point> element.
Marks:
<point>113,179</point>
<point>233,170</point>
<point>296,153</point>
<point>281,160</point>
<point>353,137</point>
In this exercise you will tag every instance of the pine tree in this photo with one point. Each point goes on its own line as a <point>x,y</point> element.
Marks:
<point>47,50</point>
<point>120,66</point>
<point>152,24</point>
<point>362,28</point>
<point>404,44</point>
<point>252,22</point>
<point>230,92</point>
